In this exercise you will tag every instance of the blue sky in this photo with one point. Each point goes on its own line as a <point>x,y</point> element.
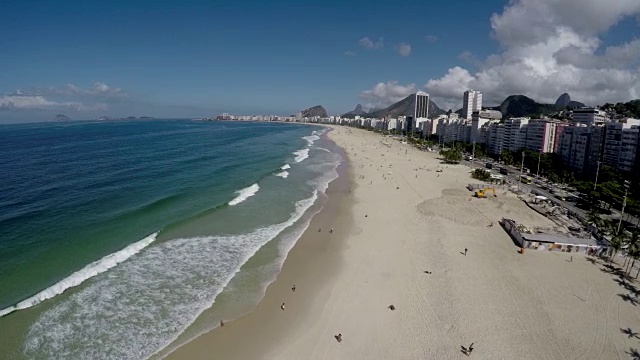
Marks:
<point>199,58</point>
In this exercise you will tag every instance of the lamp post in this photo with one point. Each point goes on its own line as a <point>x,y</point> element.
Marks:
<point>521,169</point>
<point>538,173</point>
<point>595,184</point>
<point>473,153</point>
<point>624,203</point>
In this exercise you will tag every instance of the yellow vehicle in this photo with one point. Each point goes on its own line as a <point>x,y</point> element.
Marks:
<point>482,193</point>
<point>526,179</point>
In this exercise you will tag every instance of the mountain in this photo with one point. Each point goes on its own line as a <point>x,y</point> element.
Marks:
<point>565,101</point>
<point>405,107</point>
<point>520,105</point>
<point>61,117</point>
<point>358,111</point>
<point>317,110</point>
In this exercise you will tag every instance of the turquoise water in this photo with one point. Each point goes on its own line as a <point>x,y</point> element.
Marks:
<point>115,237</point>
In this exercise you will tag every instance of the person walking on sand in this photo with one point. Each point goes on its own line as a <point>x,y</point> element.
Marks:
<point>221,323</point>
<point>470,348</point>
<point>331,231</point>
<point>293,288</point>
<point>465,251</point>
<point>282,306</point>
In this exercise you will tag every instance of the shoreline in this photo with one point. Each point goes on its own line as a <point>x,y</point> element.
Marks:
<point>401,239</point>
<point>313,260</point>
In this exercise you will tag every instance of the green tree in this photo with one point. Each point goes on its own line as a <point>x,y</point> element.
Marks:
<point>452,156</point>
<point>481,174</point>
<point>506,157</point>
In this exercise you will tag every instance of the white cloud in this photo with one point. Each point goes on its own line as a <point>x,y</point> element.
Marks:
<point>431,38</point>
<point>98,90</point>
<point>367,43</point>
<point>550,47</point>
<point>37,102</point>
<point>67,98</point>
<point>385,94</point>
<point>349,53</point>
<point>404,49</point>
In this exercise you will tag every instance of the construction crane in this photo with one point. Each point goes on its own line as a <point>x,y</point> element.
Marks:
<point>482,193</point>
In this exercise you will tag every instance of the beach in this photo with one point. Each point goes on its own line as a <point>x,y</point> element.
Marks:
<point>402,221</point>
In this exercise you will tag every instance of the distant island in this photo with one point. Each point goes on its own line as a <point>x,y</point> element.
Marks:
<point>61,117</point>
<point>108,118</point>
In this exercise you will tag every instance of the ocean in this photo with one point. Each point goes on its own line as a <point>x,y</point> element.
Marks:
<point>127,239</point>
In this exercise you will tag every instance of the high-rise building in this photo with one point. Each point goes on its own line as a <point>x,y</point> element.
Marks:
<point>421,109</point>
<point>471,101</point>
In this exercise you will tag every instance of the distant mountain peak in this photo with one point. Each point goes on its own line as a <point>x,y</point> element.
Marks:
<point>563,100</point>
<point>358,111</point>
<point>61,117</point>
<point>405,107</point>
<point>317,110</point>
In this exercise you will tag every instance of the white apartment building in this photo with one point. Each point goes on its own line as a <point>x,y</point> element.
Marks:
<point>589,116</point>
<point>574,147</point>
<point>421,106</point>
<point>613,144</point>
<point>629,150</point>
<point>515,133</point>
<point>471,102</point>
<point>478,121</point>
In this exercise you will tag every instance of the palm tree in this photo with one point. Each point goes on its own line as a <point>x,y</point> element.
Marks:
<point>594,219</point>
<point>617,240</point>
<point>633,248</point>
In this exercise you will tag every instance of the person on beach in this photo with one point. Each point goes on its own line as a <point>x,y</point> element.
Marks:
<point>319,229</point>
<point>339,337</point>
<point>470,348</point>
<point>465,251</point>
<point>221,323</point>
<point>331,231</point>
<point>282,306</point>
<point>427,272</point>
<point>293,288</point>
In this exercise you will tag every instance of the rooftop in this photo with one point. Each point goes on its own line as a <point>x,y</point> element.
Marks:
<point>560,239</point>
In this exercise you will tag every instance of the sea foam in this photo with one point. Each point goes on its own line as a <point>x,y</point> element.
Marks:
<point>285,167</point>
<point>142,305</point>
<point>311,139</point>
<point>83,274</point>
<point>283,174</point>
<point>301,155</point>
<point>244,194</point>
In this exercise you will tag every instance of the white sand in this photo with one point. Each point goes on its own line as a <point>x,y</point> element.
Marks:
<point>511,306</point>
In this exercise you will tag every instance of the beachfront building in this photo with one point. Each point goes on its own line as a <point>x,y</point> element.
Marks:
<point>541,135</point>
<point>471,102</point>
<point>574,147</point>
<point>479,122</point>
<point>515,133</point>
<point>534,239</point>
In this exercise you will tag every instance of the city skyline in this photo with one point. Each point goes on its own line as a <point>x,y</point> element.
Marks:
<point>193,59</point>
